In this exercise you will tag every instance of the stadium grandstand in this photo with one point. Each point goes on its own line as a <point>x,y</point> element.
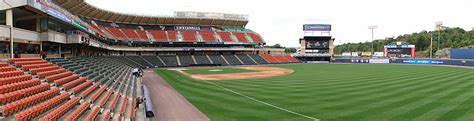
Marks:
<point>69,60</point>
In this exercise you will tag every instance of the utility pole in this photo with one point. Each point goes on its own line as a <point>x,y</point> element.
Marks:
<point>431,45</point>
<point>439,26</point>
<point>372,27</point>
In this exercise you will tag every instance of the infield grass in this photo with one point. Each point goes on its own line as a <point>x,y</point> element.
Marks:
<point>338,92</point>
<point>210,70</point>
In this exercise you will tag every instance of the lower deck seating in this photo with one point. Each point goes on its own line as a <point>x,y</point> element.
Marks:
<point>202,59</point>
<point>246,59</point>
<point>217,59</point>
<point>24,97</point>
<point>259,59</point>
<point>154,60</point>
<point>170,60</point>
<point>232,60</point>
<point>186,60</point>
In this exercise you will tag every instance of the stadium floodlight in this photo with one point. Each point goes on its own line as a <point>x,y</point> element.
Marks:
<point>431,45</point>
<point>372,27</point>
<point>439,26</point>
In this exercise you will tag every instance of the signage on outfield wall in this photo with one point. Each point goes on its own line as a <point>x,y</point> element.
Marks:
<point>379,61</point>
<point>423,61</point>
<point>360,60</point>
<point>317,27</point>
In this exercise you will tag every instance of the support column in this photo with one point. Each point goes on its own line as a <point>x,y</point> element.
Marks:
<point>9,20</point>
<point>60,50</point>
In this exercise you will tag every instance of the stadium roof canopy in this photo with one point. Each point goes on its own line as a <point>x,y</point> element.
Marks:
<point>82,8</point>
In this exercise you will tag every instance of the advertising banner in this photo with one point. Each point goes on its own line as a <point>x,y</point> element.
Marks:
<point>317,27</point>
<point>379,61</point>
<point>423,61</point>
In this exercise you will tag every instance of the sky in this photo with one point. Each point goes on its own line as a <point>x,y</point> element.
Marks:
<point>281,21</point>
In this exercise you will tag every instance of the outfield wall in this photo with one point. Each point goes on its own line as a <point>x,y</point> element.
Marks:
<point>455,62</point>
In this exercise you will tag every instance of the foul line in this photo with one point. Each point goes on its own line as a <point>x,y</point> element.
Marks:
<point>268,104</point>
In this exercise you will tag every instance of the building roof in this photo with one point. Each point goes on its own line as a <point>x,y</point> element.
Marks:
<point>82,8</point>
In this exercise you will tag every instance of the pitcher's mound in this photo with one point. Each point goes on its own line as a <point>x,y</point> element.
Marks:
<point>261,72</point>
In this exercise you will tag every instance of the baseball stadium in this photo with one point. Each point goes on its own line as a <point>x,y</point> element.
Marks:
<point>70,60</point>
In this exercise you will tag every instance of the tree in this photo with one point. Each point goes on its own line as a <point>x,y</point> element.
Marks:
<point>450,38</point>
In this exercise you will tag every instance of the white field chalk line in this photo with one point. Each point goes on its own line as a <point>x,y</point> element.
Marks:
<point>289,111</point>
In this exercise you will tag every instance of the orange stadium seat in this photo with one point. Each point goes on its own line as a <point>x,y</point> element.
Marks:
<point>107,116</point>
<point>225,36</point>
<point>3,64</point>
<point>142,34</point>
<point>28,67</point>
<point>67,79</point>
<point>106,97</point>
<point>58,76</point>
<point>12,96</point>
<point>123,108</point>
<point>11,73</point>
<point>114,101</point>
<point>189,36</point>
<point>97,93</point>
<point>256,38</point>
<point>13,60</point>
<point>241,37</point>
<point>208,36</point>
<point>131,34</point>
<point>15,79</point>
<point>43,69</point>
<point>18,86</point>
<point>89,90</point>
<point>80,87</point>
<point>21,63</point>
<point>7,68</point>
<point>159,35</point>
<point>74,116</point>
<point>73,83</point>
<point>51,72</point>
<point>91,117</point>
<point>42,107</point>
<point>117,33</point>
<point>60,111</point>
<point>172,35</point>
<point>26,102</point>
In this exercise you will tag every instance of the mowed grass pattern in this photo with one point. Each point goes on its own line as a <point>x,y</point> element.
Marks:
<point>339,92</point>
<point>206,70</point>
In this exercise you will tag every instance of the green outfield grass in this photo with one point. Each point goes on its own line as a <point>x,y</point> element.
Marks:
<point>207,70</point>
<point>338,92</point>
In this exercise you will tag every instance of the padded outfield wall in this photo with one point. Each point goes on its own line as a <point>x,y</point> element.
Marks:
<point>456,62</point>
<point>462,54</point>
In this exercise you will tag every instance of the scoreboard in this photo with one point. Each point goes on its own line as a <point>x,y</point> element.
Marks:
<point>399,50</point>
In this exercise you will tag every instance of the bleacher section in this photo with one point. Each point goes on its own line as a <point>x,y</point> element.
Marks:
<point>170,60</point>
<point>202,59</point>
<point>59,89</point>
<point>186,36</point>
<point>186,60</point>
<point>259,59</point>
<point>280,58</point>
<point>140,61</point>
<point>218,59</point>
<point>246,59</point>
<point>154,60</point>
<point>198,60</point>
<point>232,59</point>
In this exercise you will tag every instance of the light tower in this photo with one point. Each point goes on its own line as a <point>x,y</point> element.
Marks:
<point>372,27</point>
<point>439,26</point>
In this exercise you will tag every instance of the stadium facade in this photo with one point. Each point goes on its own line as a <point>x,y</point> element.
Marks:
<point>65,28</point>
